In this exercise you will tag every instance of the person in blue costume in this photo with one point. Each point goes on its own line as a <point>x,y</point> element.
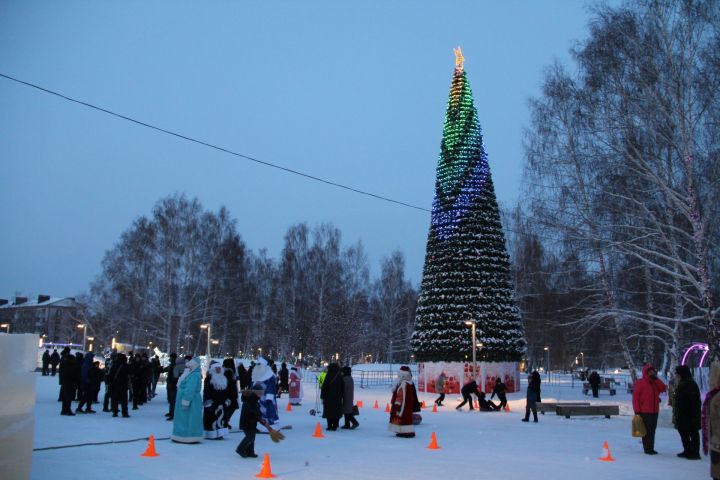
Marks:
<point>188,416</point>
<point>263,374</point>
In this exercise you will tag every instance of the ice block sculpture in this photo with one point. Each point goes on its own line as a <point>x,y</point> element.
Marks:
<point>18,358</point>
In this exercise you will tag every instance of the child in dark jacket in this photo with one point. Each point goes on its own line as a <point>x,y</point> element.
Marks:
<point>249,418</point>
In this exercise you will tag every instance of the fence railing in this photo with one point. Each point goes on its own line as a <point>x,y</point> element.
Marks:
<point>364,378</point>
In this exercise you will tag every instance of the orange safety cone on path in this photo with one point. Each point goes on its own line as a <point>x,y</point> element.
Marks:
<point>359,404</point>
<point>422,405</point>
<point>433,442</point>
<point>435,408</point>
<point>289,408</point>
<point>606,451</point>
<point>318,431</point>
<point>150,450</point>
<point>387,408</point>
<point>507,407</point>
<point>265,470</point>
<point>376,405</point>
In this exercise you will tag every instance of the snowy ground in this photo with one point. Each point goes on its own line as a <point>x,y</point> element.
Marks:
<point>473,444</point>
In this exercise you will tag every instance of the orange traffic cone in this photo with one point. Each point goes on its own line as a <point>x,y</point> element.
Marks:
<point>476,405</point>
<point>265,471</point>
<point>376,405</point>
<point>318,431</point>
<point>507,407</point>
<point>606,451</point>
<point>435,408</point>
<point>422,405</point>
<point>387,408</point>
<point>433,442</point>
<point>289,408</point>
<point>359,404</point>
<point>150,450</point>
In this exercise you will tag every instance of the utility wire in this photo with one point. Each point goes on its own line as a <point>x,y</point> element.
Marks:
<point>210,145</point>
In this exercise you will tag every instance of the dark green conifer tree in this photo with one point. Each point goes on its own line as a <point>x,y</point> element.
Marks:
<point>466,275</point>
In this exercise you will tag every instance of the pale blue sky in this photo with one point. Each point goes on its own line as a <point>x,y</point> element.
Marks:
<point>354,92</point>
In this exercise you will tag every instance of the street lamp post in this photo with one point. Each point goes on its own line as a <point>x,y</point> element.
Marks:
<point>473,323</point>
<point>207,325</point>
<point>547,364</point>
<point>84,327</point>
<point>582,360</point>
<point>90,339</point>
<point>215,342</point>
<point>6,326</point>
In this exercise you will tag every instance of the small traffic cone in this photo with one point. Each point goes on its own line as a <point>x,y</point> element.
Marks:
<point>507,407</point>
<point>422,405</point>
<point>606,450</point>
<point>150,450</point>
<point>476,405</point>
<point>433,442</point>
<point>376,406</point>
<point>387,408</point>
<point>359,404</point>
<point>435,408</point>
<point>265,471</point>
<point>318,431</point>
<point>289,408</point>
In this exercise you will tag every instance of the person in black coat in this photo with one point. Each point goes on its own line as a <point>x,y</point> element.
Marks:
<point>486,405</point>
<point>499,389</point>
<point>349,400</point>
<point>244,376</point>
<point>96,379</point>
<point>69,379</point>
<point>120,382</point>
<point>594,380</point>
<point>46,363</point>
<point>171,382</point>
<point>284,375</point>
<point>331,393</point>
<point>532,396</point>
<point>157,369</point>
<point>79,357</point>
<point>686,413</point>
<point>249,418</point>
<point>54,361</point>
<point>232,391</point>
<point>467,392</point>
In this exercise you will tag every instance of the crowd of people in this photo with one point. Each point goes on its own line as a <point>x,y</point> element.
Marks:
<point>202,409</point>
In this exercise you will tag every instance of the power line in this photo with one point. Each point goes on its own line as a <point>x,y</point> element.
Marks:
<point>210,145</point>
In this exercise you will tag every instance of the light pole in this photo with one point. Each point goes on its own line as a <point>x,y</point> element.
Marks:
<point>215,342</point>
<point>6,326</point>
<point>84,327</point>
<point>547,364</point>
<point>582,359</point>
<point>473,323</point>
<point>207,325</point>
<point>90,339</point>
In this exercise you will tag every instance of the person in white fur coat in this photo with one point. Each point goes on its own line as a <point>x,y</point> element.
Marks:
<point>263,374</point>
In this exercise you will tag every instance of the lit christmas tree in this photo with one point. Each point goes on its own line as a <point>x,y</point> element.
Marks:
<point>467,273</point>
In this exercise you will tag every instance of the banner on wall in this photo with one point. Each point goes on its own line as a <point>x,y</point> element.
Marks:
<point>459,373</point>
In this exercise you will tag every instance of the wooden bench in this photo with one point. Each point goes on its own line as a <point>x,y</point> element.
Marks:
<point>575,410</point>
<point>604,385</point>
<point>551,406</point>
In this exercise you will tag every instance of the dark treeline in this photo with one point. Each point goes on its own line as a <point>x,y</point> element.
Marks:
<point>184,267</point>
<point>617,242</point>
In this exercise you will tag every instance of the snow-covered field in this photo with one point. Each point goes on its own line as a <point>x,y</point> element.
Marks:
<point>473,444</point>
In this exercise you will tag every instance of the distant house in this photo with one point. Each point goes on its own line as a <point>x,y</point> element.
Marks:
<point>55,317</point>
